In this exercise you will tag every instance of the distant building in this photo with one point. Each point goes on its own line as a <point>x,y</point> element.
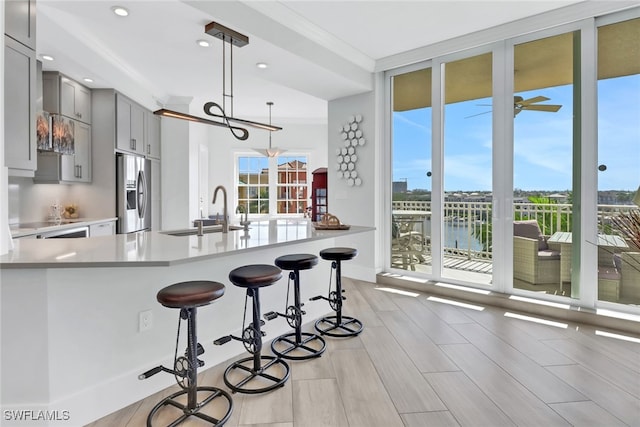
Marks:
<point>399,187</point>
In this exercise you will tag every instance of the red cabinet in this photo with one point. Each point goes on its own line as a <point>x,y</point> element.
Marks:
<point>319,194</point>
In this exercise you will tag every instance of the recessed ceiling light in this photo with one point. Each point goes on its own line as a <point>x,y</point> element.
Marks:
<point>88,80</point>
<point>47,57</point>
<point>120,11</point>
<point>202,43</point>
<point>262,65</point>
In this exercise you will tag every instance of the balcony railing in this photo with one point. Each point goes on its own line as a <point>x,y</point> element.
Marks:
<point>467,224</point>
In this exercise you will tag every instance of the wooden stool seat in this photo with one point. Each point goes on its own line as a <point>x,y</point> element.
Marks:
<point>297,261</point>
<point>338,254</point>
<point>194,293</point>
<point>255,275</point>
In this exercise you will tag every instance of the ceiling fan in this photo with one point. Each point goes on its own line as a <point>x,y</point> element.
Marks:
<point>520,104</point>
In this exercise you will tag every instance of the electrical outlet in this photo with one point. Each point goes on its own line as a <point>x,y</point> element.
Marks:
<point>145,321</point>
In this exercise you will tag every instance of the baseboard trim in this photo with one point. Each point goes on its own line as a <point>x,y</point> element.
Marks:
<point>567,313</point>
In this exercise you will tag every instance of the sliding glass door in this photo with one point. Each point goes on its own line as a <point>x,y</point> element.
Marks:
<point>467,170</point>
<point>515,166</point>
<point>411,171</point>
<point>618,158</point>
<point>544,162</point>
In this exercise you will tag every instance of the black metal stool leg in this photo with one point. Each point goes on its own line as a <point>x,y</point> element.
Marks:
<point>338,326</point>
<point>193,407</point>
<point>302,340</point>
<point>252,338</point>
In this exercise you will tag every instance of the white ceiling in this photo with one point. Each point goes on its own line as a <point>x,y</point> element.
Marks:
<point>316,50</point>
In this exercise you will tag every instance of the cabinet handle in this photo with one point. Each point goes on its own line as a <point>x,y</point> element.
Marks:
<point>133,144</point>
<point>79,171</point>
<point>79,115</point>
<point>148,148</point>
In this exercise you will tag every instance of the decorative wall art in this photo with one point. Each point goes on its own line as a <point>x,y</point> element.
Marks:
<point>43,132</point>
<point>63,131</point>
<point>347,155</point>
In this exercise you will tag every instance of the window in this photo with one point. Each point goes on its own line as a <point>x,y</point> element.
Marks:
<point>292,185</point>
<point>253,184</point>
<point>284,176</point>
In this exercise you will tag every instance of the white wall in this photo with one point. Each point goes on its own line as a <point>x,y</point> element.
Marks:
<point>356,204</point>
<point>176,148</point>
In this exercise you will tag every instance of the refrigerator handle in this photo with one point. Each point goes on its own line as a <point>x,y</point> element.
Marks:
<point>142,194</point>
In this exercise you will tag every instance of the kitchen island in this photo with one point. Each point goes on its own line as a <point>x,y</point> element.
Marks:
<point>70,309</point>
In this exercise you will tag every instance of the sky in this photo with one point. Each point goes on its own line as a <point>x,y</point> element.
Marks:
<point>543,142</point>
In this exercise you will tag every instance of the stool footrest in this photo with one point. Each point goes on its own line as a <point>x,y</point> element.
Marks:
<point>223,340</point>
<point>153,371</point>
<point>271,315</point>
<point>317,297</point>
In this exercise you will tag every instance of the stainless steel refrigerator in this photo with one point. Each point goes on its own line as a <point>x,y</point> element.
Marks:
<point>133,193</point>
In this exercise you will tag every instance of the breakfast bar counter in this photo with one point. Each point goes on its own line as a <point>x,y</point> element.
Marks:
<point>71,308</point>
<point>162,248</point>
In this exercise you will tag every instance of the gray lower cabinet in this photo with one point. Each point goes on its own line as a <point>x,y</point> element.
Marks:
<point>19,112</point>
<point>102,229</point>
<point>130,126</point>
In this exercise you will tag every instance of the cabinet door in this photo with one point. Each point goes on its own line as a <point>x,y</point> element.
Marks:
<point>102,229</point>
<point>138,128</point>
<point>20,21</point>
<point>82,157</point>
<point>153,136</point>
<point>123,124</point>
<point>130,126</point>
<point>19,117</point>
<point>75,100</point>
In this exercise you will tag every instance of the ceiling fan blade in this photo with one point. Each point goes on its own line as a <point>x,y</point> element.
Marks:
<point>550,108</point>
<point>533,100</point>
<point>479,114</point>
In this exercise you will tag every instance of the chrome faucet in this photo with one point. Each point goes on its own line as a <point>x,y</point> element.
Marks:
<point>244,222</point>
<point>225,217</point>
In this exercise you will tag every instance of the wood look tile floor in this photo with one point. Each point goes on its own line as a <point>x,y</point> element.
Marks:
<point>421,362</point>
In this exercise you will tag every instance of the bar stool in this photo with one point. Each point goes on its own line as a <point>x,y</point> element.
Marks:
<point>188,296</point>
<point>253,277</point>
<point>338,325</point>
<point>312,345</point>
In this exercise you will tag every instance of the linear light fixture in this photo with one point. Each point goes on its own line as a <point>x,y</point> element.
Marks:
<point>234,38</point>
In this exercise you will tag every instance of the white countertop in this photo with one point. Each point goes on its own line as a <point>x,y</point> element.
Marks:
<point>19,230</point>
<point>152,248</point>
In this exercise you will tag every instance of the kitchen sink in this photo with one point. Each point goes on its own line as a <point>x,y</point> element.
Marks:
<point>205,230</point>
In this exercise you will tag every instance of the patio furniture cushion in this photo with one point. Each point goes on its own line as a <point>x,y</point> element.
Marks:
<point>548,255</point>
<point>531,230</point>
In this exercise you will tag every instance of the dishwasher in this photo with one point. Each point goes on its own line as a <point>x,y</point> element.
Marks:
<point>65,233</point>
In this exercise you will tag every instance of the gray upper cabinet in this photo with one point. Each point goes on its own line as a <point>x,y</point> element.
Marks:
<point>153,136</point>
<point>130,126</point>
<point>19,113</point>
<point>64,96</point>
<point>20,21</point>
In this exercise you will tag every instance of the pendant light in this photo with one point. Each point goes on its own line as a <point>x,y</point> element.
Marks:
<point>271,151</point>
<point>234,38</point>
